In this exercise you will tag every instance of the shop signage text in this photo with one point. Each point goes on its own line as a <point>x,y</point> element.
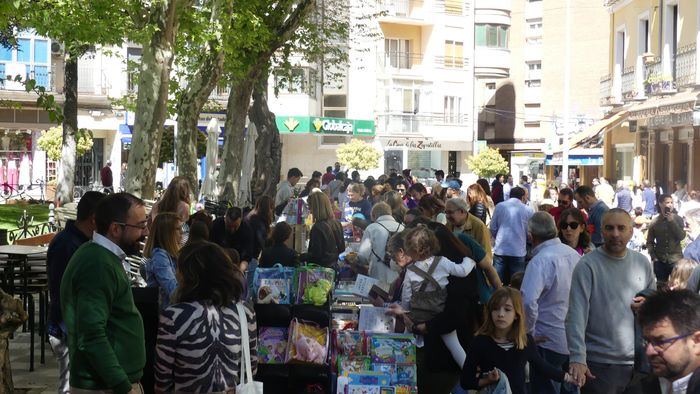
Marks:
<point>414,144</point>
<point>669,120</point>
<point>319,125</point>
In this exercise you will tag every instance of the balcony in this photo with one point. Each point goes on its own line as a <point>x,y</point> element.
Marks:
<point>656,82</point>
<point>422,123</point>
<point>401,62</point>
<point>402,11</point>
<point>220,93</point>
<point>607,98</point>
<point>451,62</point>
<point>630,85</point>
<point>686,63</point>
<point>43,75</point>
<point>491,62</point>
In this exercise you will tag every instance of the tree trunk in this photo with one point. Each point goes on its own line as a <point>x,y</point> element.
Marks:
<point>66,171</point>
<point>152,99</point>
<point>232,157</point>
<point>195,96</point>
<point>268,147</point>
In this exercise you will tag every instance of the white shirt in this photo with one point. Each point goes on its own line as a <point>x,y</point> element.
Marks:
<point>444,269</point>
<point>509,228</point>
<point>112,247</point>
<point>284,192</point>
<point>679,386</point>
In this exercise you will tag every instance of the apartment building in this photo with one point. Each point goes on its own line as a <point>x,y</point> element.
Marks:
<point>523,108</point>
<point>408,91</point>
<point>651,87</point>
<point>99,78</point>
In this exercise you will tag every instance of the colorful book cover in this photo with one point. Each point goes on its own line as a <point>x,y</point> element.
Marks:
<point>392,348</point>
<point>272,345</point>
<point>273,291</point>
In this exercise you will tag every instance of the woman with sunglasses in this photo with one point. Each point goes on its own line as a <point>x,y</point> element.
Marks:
<point>572,230</point>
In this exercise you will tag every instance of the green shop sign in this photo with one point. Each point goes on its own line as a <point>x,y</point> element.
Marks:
<point>319,125</point>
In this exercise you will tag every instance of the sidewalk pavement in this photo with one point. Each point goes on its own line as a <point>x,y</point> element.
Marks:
<point>44,379</point>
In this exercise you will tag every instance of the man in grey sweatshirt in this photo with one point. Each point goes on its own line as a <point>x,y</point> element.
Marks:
<point>600,320</point>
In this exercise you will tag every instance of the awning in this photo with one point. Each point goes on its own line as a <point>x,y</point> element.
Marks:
<point>595,130</point>
<point>578,157</point>
<point>125,132</point>
<point>660,106</point>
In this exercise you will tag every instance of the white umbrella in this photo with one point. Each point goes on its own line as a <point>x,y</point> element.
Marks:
<point>209,189</point>
<point>245,195</point>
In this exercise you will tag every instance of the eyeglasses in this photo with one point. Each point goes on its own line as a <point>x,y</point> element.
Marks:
<point>572,225</point>
<point>142,226</point>
<point>662,344</point>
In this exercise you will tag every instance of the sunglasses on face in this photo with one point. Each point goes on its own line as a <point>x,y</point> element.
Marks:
<point>572,225</point>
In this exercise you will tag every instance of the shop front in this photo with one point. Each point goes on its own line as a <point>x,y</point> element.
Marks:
<point>669,135</point>
<point>584,165</point>
<point>309,143</point>
<point>425,155</point>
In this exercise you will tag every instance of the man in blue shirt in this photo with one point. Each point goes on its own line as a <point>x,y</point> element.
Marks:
<point>585,196</point>
<point>509,229</point>
<point>545,291</point>
<point>60,250</point>
<point>648,199</point>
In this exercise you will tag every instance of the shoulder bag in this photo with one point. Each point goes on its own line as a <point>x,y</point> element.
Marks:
<point>247,385</point>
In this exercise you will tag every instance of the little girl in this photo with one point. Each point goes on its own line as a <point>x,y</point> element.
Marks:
<point>502,342</point>
<point>421,246</point>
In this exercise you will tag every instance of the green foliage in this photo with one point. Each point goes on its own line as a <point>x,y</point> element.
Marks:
<point>488,163</point>
<point>167,145</point>
<point>358,155</point>
<point>51,141</point>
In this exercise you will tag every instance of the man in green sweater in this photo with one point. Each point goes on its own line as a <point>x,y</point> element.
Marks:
<point>105,330</point>
<point>600,329</point>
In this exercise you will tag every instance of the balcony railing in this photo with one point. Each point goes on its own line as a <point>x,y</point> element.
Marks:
<point>399,8</point>
<point>42,74</point>
<point>606,93</point>
<point>220,93</point>
<point>401,60</point>
<point>453,62</point>
<point>403,123</point>
<point>686,59</point>
<point>656,81</point>
<point>629,89</point>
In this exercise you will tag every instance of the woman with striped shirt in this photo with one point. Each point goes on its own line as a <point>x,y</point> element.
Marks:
<point>198,349</point>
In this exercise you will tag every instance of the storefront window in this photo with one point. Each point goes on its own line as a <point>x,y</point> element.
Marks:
<point>15,160</point>
<point>624,162</point>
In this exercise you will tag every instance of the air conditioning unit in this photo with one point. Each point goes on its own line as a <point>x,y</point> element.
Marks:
<point>56,48</point>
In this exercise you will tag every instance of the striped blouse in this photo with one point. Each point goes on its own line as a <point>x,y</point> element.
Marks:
<point>198,349</point>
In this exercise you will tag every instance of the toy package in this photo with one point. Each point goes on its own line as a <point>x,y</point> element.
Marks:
<point>308,343</point>
<point>313,284</point>
<point>273,285</point>
<point>272,345</point>
<point>392,348</point>
<point>355,364</point>
<point>344,321</point>
<point>349,343</point>
<point>369,379</point>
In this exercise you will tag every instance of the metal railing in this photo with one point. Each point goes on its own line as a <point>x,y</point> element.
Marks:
<point>400,60</point>
<point>220,92</point>
<point>686,59</point>
<point>629,90</point>
<point>656,81</point>
<point>606,94</point>
<point>400,8</point>
<point>451,62</point>
<point>416,123</point>
<point>42,74</point>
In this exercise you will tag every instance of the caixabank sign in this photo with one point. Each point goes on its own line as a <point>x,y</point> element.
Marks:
<point>321,125</point>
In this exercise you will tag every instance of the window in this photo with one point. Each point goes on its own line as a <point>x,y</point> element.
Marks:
<point>643,36</point>
<point>335,105</point>
<point>491,85</point>
<point>133,59</point>
<point>534,66</point>
<point>302,80</point>
<point>33,53</point>
<point>491,36</point>
<point>453,7</point>
<point>533,83</point>
<point>454,54</point>
<point>398,53</point>
<point>534,27</point>
<point>452,108</point>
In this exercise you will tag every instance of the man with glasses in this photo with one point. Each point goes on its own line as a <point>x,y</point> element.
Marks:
<point>564,202</point>
<point>670,322</point>
<point>600,326</point>
<point>459,220</point>
<point>105,330</point>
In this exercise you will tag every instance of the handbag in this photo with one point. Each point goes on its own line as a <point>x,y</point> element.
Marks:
<point>426,304</point>
<point>247,385</point>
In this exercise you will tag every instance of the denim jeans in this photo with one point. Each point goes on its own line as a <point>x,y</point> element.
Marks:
<point>541,385</point>
<point>60,349</point>
<point>662,270</point>
<point>506,266</point>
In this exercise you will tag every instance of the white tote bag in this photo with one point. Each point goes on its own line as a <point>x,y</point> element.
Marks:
<point>247,385</point>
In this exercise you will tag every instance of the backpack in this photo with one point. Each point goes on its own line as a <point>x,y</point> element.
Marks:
<point>387,256</point>
<point>426,304</point>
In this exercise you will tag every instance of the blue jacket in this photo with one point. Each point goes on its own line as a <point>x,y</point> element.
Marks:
<point>61,249</point>
<point>160,272</point>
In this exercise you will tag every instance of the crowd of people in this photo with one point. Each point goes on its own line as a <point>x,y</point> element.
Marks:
<point>541,290</point>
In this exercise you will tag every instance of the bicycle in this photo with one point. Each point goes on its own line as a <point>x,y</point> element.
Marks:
<point>10,193</point>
